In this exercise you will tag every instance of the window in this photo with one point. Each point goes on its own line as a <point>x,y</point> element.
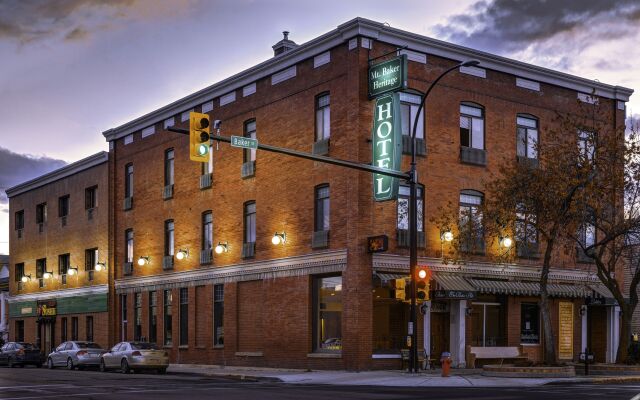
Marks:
<point>250,222</point>
<point>128,181</point>
<point>588,234</point>
<point>89,328</point>
<point>41,268</point>
<point>207,167</point>
<point>63,329</point>
<point>168,337</point>
<point>488,322</point>
<point>323,117</point>
<point>391,316</point>
<point>529,323</point>
<point>90,260</point>
<point>137,318</point>
<point>527,145</point>
<point>91,197</point>
<point>19,268</point>
<point>74,328</point>
<point>207,230</point>
<point>184,317</point>
<point>403,207</point>
<point>322,217</point>
<point>64,262</point>
<point>19,331</point>
<point>327,321</point>
<point>470,221</point>
<point>526,232</point>
<point>153,316</point>
<point>128,244</point>
<point>123,316</point>
<point>19,220</point>
<point>586,145</point>
<point>409,104</point>
<point>63,206</point>
<point>218,315</point>
<point>250,132</point>
<point>41,213</point>
<point>471,126</point>
<point>168,167</point>
<point>169,239</point>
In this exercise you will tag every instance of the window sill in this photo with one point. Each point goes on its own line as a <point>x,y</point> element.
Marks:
<point>167,346</point>
<point>386,356</point>
<point>324,355</point>
<point>530,344</point>
<point>249,354</point>
<point>184,347</point>
<point>218,346</point>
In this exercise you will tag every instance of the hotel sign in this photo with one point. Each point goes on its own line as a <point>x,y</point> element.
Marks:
<point>387,145</point>
<point>388,76</point>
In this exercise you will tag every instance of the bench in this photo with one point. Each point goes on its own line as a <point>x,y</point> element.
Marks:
<point>514,353</point>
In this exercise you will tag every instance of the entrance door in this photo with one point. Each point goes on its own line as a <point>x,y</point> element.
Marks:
<point>47,335</point>
<point>597,332</point>
<point>439,334</point>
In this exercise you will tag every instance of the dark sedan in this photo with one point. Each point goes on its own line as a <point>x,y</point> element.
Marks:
<point>20,353</point>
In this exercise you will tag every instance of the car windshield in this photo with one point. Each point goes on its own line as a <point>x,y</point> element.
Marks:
<point>26,346</point>
<point>85,345</point>
<point>143,346</point>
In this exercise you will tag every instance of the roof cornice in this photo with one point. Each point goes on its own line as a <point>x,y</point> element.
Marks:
<point>60,173</point>
<point>380,32</point>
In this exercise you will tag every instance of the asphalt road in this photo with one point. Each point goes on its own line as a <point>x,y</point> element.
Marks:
<point>32,383</point>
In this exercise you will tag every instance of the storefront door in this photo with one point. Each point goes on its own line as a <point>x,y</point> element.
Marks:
<point>597,332</point>
<point>47,336</point>
<point>439,334</point>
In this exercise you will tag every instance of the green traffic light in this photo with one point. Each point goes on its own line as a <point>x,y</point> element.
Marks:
<point>203,149</point>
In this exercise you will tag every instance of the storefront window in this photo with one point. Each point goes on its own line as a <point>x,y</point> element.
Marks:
<point>529,324</point>
<point>390,316</point>
<point>488,322</point>
<point>328,314</point>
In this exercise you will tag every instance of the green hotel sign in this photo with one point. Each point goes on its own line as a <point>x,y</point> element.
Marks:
<point>387,145</point>
<point>388,76</point>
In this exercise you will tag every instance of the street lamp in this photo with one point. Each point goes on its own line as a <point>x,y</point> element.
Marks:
<point>413,222</point>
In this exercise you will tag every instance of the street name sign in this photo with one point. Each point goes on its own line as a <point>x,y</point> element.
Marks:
<point>387,145</point>
<point>241,141</point>
<point>388,76</point>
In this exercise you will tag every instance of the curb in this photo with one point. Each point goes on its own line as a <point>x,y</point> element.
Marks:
<point>597,381</point>
<point>235,377</point>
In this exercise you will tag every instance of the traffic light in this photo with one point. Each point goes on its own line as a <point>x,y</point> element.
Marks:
<point>199,131</point>
<point>423,276</point>
<point>400,289</point>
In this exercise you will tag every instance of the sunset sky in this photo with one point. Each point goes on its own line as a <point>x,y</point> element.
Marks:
<point>71,69</point>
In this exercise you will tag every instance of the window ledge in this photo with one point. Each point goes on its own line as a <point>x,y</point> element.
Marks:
<point>530,344</point>
<point>249,354</point>
<point>166,346</point>
<point>324,355</point>
<point>386,356</point>
<point>218,346</point>
<point>183,347</point>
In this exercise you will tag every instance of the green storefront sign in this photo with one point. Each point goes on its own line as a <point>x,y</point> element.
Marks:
<point>387,145</point>
<point>63,305</point>
<point>388,76</point>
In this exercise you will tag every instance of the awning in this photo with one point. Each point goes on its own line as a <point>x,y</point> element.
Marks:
<point>529,288</point>
<point>451,282</point>
<point>386,276</point>
<point>601,290</point>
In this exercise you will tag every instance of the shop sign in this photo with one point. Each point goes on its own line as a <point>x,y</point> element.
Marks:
<point>46,309</point>
<point>26,310</point>
<point>565,331</point>
<point>453,294</point>
<point>388,76</point>
<point>387,145</point>
<point>377,244</point>
<point>600,301</point>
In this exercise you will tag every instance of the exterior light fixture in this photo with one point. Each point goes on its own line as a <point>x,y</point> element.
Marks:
<point>222,247</point>
<point>506,242</point>
<point>72,271</point>
<point>182,254</point>
<point>447,236</point>
<point>25,278</point>
<point>143,260</point>
<point>101,266</point>
<point>279,238</point>
<point>47,275</point>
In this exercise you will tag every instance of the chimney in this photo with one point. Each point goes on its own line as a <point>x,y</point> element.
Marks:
<point>284,45</point>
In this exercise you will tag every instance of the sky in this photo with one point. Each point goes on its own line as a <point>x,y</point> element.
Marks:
<point>71,69</point>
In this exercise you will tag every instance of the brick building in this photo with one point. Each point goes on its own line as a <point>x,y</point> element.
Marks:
<point>57,239</point>
<point>190,245</point>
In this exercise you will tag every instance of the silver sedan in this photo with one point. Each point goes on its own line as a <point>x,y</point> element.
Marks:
<point>75,354</point>
<point>135,356</point>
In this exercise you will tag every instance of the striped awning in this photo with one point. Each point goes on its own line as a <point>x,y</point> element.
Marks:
<point>529,288</point>
<point>452,282</point>
<point>387,276</point>
<point>601,290</point>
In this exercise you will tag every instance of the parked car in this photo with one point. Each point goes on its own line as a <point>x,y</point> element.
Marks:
<point>75,354</point>
<point>135,356</point>
<point>20,353</point>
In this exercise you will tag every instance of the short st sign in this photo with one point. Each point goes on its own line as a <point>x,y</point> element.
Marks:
<point>388,76</point>
<point>387,145</point>
<point>247,143</point>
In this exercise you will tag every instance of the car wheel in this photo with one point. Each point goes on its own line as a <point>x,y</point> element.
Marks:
<point>124,366</point>
<point>70,366</point>
<point>49,363</point>
<point>10,363</point>
<point>162,371</point>
<point>103,367</point>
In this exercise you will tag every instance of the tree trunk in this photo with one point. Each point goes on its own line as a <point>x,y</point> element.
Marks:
<point>549,356</point>
<point>625,334</point>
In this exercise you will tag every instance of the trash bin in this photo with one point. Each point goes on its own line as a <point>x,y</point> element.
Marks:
<point>445,360</point>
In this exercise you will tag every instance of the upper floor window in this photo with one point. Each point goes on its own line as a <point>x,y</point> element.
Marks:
<point>323,117</point>
<point>471,126</point>
<point>128,245</point>
<point>586,145</point>
<point>19,272</point>
<point>250,222</point>
<point>169,238</point>
<point>90,197</point>
<point>250,132</point>
<point>41,268</point>
<point>19,220</point>
<point>588,234</point>
<point>64,263</point>
<point>207,230</point>
<point>90,260</point>
<point>526,232</point>
<point>168,167</point>
<point>63,206</point>
<point>128,180</point>
<point>322,208</point>
<point>527,145</point>
<point>403,207</point>
<point>409,104</point>
<point>41,213</point>
<point>470,221</point>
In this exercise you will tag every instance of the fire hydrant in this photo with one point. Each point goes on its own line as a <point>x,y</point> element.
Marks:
<point>445,360</point>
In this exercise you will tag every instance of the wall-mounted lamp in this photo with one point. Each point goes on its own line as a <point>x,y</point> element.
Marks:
<point>25,278</point>
<point>279,238</point>
<point>101,266</point>
<point>446,236</point>
<point>222,247</point>
<point>47,275</point>
<point>143,260</point>
<point>506,242</point>
<point>583,310</point>
<point>72,271</point>
<point>182,254</point>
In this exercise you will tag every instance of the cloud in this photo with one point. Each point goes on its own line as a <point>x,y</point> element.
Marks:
<point>17,168</point>
<point>549,31</point>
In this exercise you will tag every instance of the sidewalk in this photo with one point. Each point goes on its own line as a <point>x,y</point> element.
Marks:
<point>382,378</point>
